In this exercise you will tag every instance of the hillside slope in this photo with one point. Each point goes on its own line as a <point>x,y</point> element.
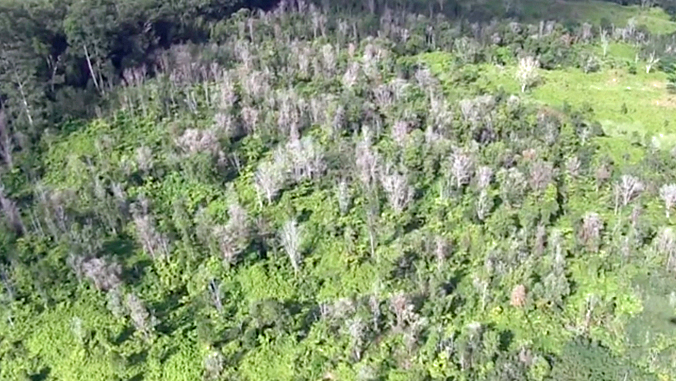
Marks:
<point>352,196</point>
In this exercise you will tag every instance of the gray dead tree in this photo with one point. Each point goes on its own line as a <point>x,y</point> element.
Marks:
<point>271,176</point>
<point>290,237</point>
<point>11,212</point>
<point>106,276</point>
<point>306,158</point>
<point>668,195</point>
<point>368,161</point>
<point>590,232</point>
<point>665,243</point>
<point>462,168</point>
<point>6,141</point>
<point>399,192</point>
<point>541,174</point>
<point>154,243</point>
<point>143,321</point>
<point>626,190</point>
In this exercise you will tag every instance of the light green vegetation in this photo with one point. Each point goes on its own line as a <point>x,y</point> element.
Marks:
<point>596,12</point>
<point>649,108</point>
<point>628,106</point>
<point>292,203</point>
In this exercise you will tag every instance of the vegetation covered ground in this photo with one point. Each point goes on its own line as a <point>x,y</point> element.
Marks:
<point>401,191</point>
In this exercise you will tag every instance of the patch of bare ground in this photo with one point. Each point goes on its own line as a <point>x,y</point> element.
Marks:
<point>668,101</point>
<point>657,84</point>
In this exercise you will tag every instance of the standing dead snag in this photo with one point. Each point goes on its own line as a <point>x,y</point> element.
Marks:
<point>344,197</point>
<point>351,76</point>
<point>665,243</point>
<point>484,176</point>
<point>518,298</point>
<point>573,166</point>
<point>271,176</point>
<point>541,173</point>
<point>6,143</point>
<point>367,161</point>
<point>400,131</point>
<point>402,309</point>
<point>106,276</point>
<point>290,237</point>
<point>233,237</point>
<point>356,328</point>
<point>605,43</point>
<point>512,185</point>
<point>484,204</point>
<point>399,193</point>
<point>372,210</point>
<point>590,232</point>
<point>306,158</point>
<point>144,159</point>
<point>194,141</point>
<point>215,294</point>
<point>140,317</point>
<point>668,195</point>
<point>462,167</point>
<point>651,61</point>
<point>11,212</point>
<point>154,243</point>
<point>526,73</point>
<point>627,189</point>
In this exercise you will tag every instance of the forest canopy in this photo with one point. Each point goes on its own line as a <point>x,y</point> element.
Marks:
<point>377,190</point>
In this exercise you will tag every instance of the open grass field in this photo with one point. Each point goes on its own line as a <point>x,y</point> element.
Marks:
<point>656,20</point>
<point>628,106</point>
<point>595,12</point>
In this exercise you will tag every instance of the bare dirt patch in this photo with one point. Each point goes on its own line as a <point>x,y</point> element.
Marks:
<point>669,102</point>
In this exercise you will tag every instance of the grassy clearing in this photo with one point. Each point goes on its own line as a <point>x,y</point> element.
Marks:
<point>656,20</point>
<point>626,105</point>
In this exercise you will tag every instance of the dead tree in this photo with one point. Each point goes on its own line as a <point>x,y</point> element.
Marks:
<point>399,193</point>
<point>462,167</point>
<point>668,195</point>
<point>590,232</point>
<point>291,238</point>
<point>627,189</point>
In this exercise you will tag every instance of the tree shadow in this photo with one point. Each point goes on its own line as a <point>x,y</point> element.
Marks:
<point>42,376</point>
<point>170,352</point>
<point>170,304</point>
<point>137,358</point>
<point>137,271</point>
<point>138,377</point>
<point>120,247</point>
<point>452,284</point>
<point>123,336</point>
<point>506,338</point>
<point>404,267</point>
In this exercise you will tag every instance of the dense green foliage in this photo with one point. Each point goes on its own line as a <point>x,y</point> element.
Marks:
<point>334,191</point>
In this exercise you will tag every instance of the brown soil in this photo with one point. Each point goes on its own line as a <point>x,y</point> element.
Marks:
<point>669,102</point>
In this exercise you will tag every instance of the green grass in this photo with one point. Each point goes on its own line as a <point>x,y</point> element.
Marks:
<point>655,19</point>
<point>649,107</point>
<point>618,52</point>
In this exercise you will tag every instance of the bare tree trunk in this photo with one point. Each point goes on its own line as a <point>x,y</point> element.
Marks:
<point>215,296</point>
<point>371,224</point>
<point>6,144</point>
<point>24,101</point>
<point>54,65</point>
<point>91,69</point>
